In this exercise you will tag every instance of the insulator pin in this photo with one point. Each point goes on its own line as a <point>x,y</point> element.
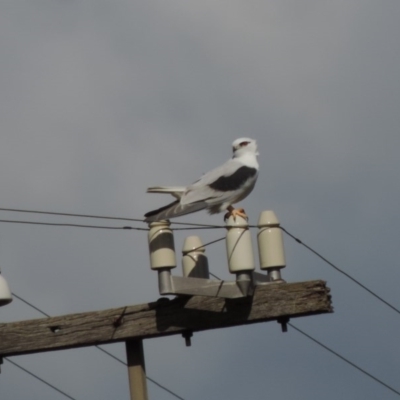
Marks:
<point>161,245</point>
<point>194,260</point>
<point>270,242</point>
<point>238,245</point>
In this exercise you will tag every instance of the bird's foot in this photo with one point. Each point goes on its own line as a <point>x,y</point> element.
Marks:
<point>235,212</point>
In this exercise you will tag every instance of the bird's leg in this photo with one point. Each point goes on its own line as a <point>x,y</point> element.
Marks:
<point>234,212</point>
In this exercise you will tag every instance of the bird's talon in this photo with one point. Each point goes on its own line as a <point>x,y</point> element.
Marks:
<point>234,212</point>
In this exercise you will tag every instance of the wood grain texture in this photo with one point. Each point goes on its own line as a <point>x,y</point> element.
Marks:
<point>164,317</point>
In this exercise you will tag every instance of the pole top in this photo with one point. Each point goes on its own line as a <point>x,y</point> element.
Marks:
<point>268,219</point>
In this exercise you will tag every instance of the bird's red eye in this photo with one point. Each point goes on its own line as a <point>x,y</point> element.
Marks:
<point>242,144</point>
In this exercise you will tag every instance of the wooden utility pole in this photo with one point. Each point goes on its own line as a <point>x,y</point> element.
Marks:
<point>132,324</point>
<point>136,369</point>
<point>162,318</point>
<point>201,303</point>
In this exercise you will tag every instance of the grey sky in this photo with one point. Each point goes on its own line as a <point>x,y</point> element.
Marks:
<point>99,100</point>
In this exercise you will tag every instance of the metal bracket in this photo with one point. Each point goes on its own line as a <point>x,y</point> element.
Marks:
<point>273,276</point>
<point>244,285</point>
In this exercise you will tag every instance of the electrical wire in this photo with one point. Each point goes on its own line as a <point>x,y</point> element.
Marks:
<point>341,271</point>
<point>335,353</point>
<point>215,276</point>
<point>98,347</point>
<point>103,227</point>
<point>204,226</point>
<point>148,378</point>
<point>344,359</point>
<point>205,245</point>
<point>74,225</point>
<point>40,379</point>
<point>30,305</point>
<point>69,214</point>
<point>176,395</point>
<point>188,226</point>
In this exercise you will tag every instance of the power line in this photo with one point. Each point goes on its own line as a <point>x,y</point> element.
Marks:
<point>102,226</point>
<point>69,214</point>
<point>73,225</point>
<point>335,353</point>
<point>148,378</point>
<point>205,226</point>
<point>40,379</point>
<point>188,226</point>
<point>207,244</point>
<point>98,347</point>
<point>176,395</point>
<point>344,359</point>
<point>30,305</point>
<point>215,276</point>
<point>341,271</point>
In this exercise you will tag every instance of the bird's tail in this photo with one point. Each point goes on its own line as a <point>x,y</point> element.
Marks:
<point>174,209</point>
<point>176,191</point>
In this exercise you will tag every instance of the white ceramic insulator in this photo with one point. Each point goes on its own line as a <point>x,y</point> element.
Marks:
<point>238,245</point>
<point>194,260</point>
<point>161,245</point>
<point>270,242</point>
<point>5,292</point>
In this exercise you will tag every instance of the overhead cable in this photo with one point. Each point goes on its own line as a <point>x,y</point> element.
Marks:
<point>98,347</point>
<point>40,379</point>
<point>341,271</point>
<point>345,359</point>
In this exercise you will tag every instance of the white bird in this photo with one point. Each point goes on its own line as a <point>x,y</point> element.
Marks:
<point>216,190</point>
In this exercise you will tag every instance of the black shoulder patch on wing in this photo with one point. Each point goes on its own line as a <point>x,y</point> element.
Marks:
<point>234,181</point>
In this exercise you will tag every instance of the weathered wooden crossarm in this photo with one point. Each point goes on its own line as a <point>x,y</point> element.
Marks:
<point>164,317</point>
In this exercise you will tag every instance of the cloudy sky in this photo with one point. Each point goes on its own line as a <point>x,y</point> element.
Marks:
<point>101,99</point>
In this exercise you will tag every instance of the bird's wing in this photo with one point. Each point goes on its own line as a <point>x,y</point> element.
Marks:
<point>225,169</point>
<point>176,191</point>
<point>220,184</point>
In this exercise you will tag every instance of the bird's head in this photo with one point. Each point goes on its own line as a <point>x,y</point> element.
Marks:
<point>244,145</point>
